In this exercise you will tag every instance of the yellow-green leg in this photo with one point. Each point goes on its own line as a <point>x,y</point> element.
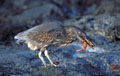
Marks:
<point>46,54</point>
<point>40,56</point>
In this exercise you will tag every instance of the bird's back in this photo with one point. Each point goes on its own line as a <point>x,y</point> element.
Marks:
<point>54,35</point>
<point>40,29</point>
<point>49,33</point>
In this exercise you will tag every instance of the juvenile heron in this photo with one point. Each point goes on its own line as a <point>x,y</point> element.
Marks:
<point>52,34</point>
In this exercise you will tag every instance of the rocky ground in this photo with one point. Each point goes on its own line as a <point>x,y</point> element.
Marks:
<point>100,19</point>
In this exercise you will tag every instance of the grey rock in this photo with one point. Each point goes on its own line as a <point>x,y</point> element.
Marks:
<point>100,19</point>
<point>30,15</point>
<point>109,6</point>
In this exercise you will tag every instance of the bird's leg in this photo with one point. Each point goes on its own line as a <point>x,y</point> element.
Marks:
<point>40,56</point>
<point>46,54</point>
<point>84,46</point>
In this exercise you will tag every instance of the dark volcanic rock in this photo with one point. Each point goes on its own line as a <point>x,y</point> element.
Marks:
<point>100,19</point>
<point>8,31</point>
<point>108,6</point>
<point>25,62</point>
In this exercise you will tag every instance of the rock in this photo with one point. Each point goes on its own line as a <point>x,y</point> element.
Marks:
<point>113,32</point>
<point>9,30</point>
<point>23,62</point>
<point>100,20</point>
<point>29,12</point>
<point>109,6</point>
<point>29,16</point>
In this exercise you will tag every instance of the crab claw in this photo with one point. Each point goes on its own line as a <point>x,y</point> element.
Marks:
<point>86,42</point>
<point>84,46</point>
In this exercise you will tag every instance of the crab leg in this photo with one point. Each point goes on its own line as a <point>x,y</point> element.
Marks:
<point>84,46</point>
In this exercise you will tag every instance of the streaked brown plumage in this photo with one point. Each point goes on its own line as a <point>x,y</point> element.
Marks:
<point>51,34</point>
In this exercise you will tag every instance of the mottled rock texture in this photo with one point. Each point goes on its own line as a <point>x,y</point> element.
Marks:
<point>100,19</point>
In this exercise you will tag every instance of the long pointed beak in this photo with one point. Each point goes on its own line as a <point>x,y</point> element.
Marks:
<point>88,42</point>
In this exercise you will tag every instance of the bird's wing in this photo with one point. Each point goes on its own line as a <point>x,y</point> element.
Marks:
<point>42,37</point>
<point>39,30</point>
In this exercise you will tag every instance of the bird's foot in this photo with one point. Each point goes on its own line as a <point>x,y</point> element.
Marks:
<point>51,65</point>
<point>45,66</point>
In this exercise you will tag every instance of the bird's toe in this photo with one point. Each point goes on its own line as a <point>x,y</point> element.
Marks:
<point>51,65</point>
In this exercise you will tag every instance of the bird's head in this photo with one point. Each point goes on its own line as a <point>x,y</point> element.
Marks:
<point>79,34</point>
